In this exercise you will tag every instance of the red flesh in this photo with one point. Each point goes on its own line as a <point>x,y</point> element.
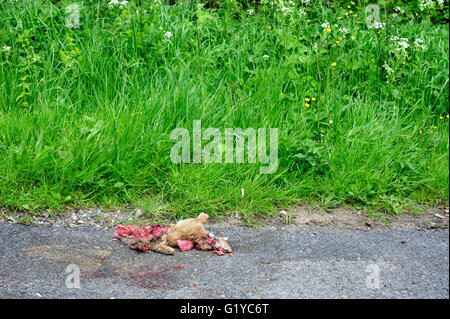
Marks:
<point>185,245</point>
<point>138,237</point>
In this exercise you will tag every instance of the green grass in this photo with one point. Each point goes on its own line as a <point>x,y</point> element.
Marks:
<point>86,114</point>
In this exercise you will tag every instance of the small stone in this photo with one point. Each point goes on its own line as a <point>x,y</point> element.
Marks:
<point>138,212</point>
<point>283,213</point>
<point>438,216</point>
<point>80,222</point>
<point>403,241</point>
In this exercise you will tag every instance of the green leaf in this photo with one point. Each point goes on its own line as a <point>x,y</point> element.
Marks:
<point>119,185</point>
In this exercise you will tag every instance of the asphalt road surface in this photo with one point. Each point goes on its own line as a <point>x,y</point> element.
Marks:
<point>294,262</point>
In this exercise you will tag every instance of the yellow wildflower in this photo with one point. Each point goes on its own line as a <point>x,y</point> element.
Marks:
<point>333,64</point>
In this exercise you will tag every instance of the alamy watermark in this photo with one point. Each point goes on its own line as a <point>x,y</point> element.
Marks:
<point>373,278</point>
<point>372,12</point>
<point>229,148</point>
<point>73,277</point>
<point>73,15</point>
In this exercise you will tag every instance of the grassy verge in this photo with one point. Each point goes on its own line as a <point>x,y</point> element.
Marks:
<point>86,113</point>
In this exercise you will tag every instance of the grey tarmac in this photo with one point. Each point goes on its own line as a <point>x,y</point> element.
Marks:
<point>269,262</point>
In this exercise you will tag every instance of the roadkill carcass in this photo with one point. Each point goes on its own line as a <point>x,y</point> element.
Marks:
<point>185,235</point>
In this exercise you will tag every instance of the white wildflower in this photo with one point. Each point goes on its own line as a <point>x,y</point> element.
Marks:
<point>343,30</point>
<point>419,44</point>
<point>403,43</point>
<point>400,45</point>
<point>113,2</point>
<point>124,2</point>
<point>426,5</point>
<point>286,10</point>
<point>168,34</point>
<point>325,25</point>
<point>250,12</point>
<point>301,12</point>
<point>265,56</point>
<point>378,25</point>
<point>286,7</point>
<point>6,48</point>
<point>399,10</point>
<point>388,69</point>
